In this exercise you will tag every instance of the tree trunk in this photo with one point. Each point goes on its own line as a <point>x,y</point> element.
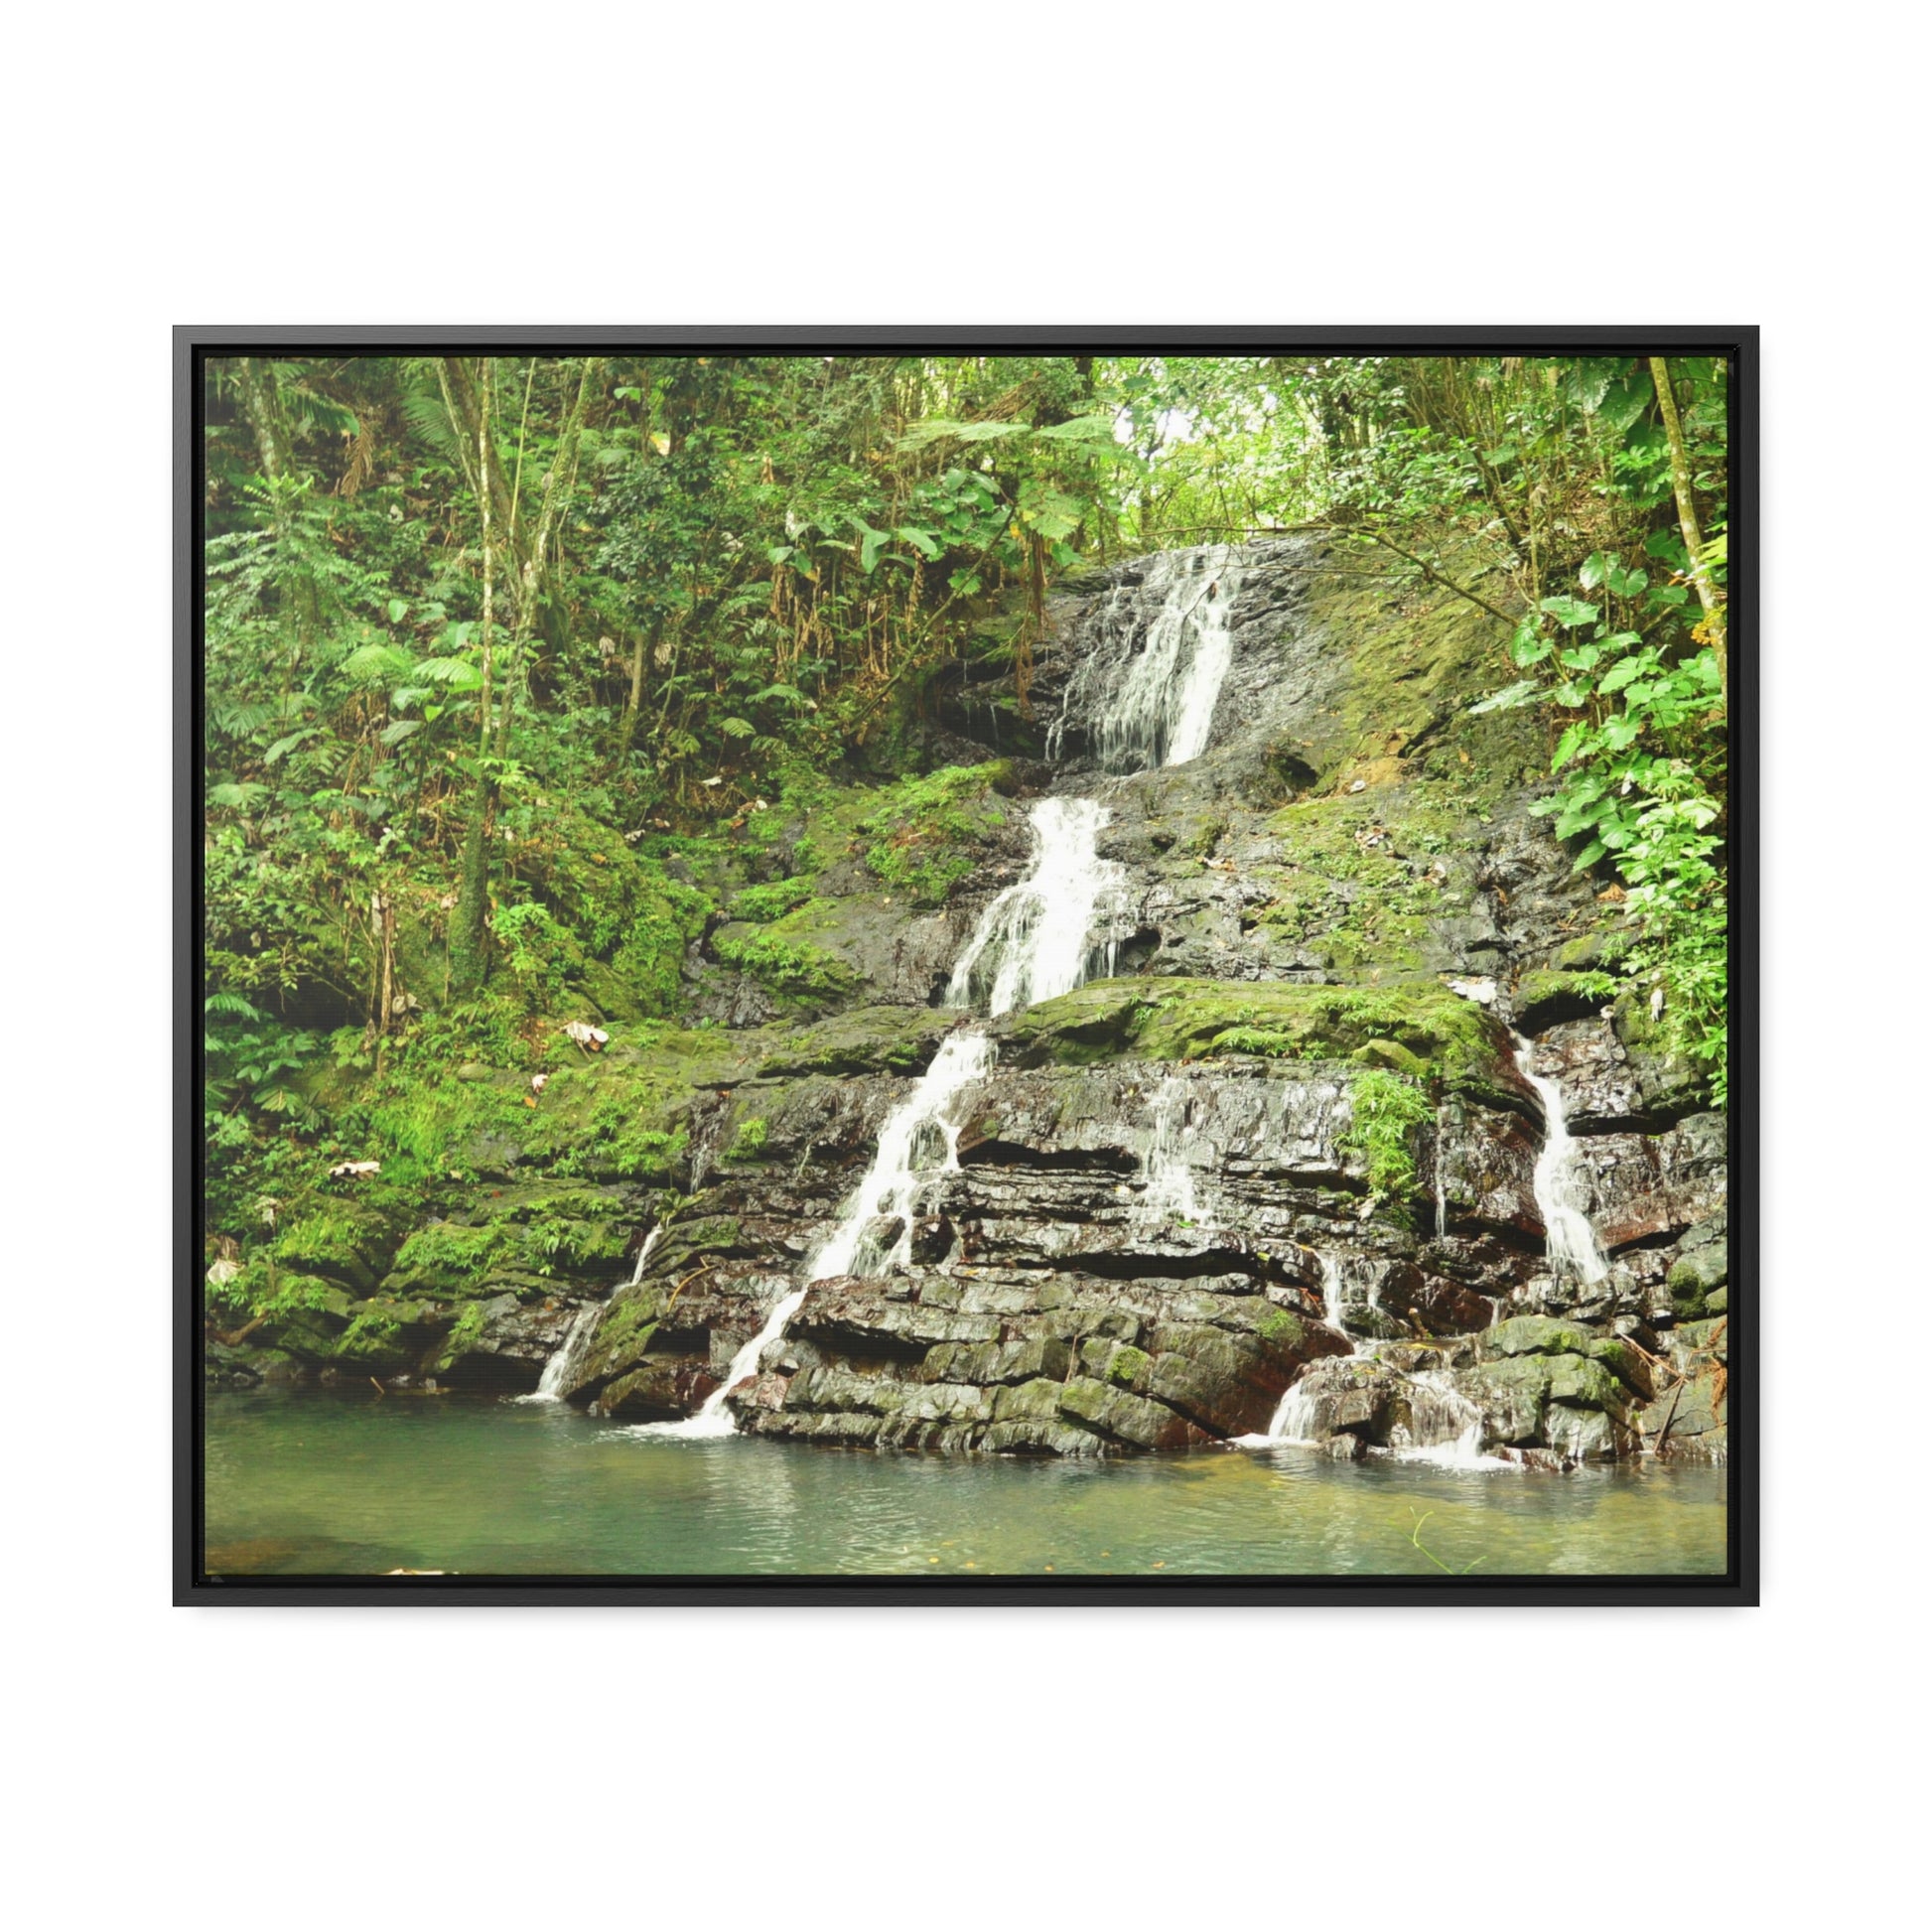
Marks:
<point>1686,521</point>
<point>468,937</point>
<point>262,404</point>
<point>469,941</point>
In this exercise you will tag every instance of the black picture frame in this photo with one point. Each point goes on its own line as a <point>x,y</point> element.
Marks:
<point>1739,1585</point>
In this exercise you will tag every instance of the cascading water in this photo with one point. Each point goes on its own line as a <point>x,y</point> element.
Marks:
<point>1030,943</point>
<point>1442,1175</point>
<point>558,1370</point>
<point>1168,1190</point>
<point>1575,1252</point>
<point>1330,1291</point>
<point>1159,708</point>
<point>1443,1425</point>
<point>903,1168</point>
<point>1299,1416</point>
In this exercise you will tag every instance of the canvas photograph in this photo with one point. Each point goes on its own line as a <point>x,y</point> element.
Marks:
<point>1025,966</point>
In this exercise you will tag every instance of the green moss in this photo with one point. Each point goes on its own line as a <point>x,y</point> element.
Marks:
<point>597,900</point>
<point>622,1115</point>
<point>1284,1330</point>
<point>759,905</point>
<point>1127,1364</point>
<point>1594,951</point>
<point>1542,997</point>
<point>555,1245</point>
<point>1362,885</point>
<point>422,1118</point>
<point>1384,1111</point>
<point>343,1240</point>
<point>748,1144</point>
<point>1450,1039</point>
<point>868,1039</point>
<point>791,966</point>
<point>448,1258</point>
<point>1201,842</point>
<point>466,1333</point>
<point>922,830</point>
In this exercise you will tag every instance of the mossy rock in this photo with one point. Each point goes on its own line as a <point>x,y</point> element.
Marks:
<point>868,1039</point>
<point>1573,1380</point>
<point>448,1258</point>
<point>1527,1335</point>
<point>341,1238</point>
<point>1602,951</point>
<point>1445,1038</point>
<point>389,1334</point>
<point>923,832</point>
<point>1546,999</point>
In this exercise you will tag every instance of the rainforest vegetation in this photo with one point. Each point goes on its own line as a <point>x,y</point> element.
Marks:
<point>515,664</point>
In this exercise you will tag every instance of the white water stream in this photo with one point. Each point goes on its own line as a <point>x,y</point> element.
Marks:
<point>558,1370</point>
<point>1160,710</point>
<point>1558,1182</point>
<point>1032,943</point>
<point>1168,1190</point>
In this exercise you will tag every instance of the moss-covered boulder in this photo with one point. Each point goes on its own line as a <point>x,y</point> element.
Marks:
<point>1429,1031</point>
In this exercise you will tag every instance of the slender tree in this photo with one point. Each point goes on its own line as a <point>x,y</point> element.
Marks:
<point>497,702</point>
<point>1687,518</point>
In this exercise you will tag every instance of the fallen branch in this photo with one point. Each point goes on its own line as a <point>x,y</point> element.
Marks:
<point>1428,568</point>
<point>694,1275</point>
<point>1677,1396</point>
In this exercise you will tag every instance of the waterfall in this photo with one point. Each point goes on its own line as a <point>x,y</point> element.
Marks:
<point>1442,1173</point>
<point>1297,1419</point>
<point>1331,1289</point>
<point>558,1370</point>
<point>919,1142</point>
<point>1298,1415</point>
<point>1030,942</point>
<point>1443,1425</point>
<point>1161,709</point>
<point>1167,1180</point>
<point>1575,1252</point>
<point>921,1127</point>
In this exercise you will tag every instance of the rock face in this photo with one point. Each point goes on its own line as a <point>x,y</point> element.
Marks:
<point>1267,1169</point>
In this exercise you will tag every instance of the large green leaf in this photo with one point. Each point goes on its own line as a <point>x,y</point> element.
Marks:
<point>1529,645</point>
<point>1570,612</point>
<point>1082,429</point>
<point>1511,698</point>
<point>376,663</point>
<point>455,673</point>
<point>1623,670</point>
<point>1570,744</point>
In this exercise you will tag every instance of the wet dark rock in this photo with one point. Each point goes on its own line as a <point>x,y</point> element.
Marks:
<point>1601,1090</point>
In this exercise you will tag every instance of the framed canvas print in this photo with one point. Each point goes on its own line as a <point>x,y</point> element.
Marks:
<point>1010,964</point>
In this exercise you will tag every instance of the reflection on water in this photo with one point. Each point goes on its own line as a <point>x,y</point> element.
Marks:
<point>315,1484</point>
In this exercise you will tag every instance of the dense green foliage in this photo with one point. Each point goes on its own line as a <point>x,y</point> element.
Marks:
<point>526,677</point>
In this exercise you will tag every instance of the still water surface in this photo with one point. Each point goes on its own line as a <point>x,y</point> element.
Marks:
<point>324,1485</point>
